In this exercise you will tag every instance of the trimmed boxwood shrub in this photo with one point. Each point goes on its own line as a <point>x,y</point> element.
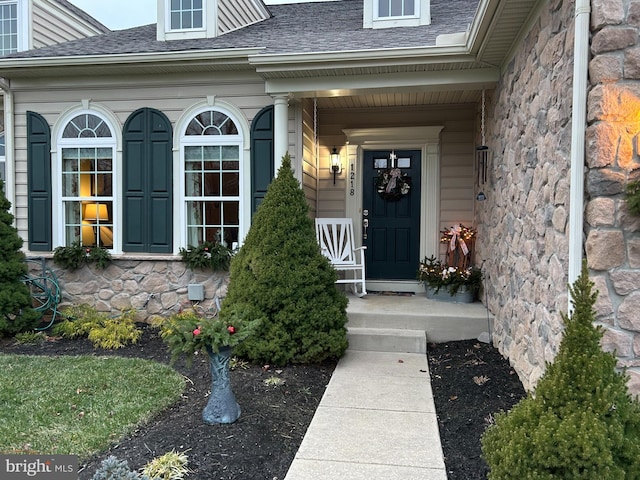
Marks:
<point>281,272</point>
<point>582,423</point>
<point>16,312</point>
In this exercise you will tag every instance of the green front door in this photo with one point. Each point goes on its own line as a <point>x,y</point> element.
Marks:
<point>392,235</point>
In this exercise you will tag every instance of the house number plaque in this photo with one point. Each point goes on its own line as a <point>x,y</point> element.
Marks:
<point>352,180</point>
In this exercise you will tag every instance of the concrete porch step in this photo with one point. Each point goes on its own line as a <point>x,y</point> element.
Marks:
<point>387,340</point>
<point>405,324</point>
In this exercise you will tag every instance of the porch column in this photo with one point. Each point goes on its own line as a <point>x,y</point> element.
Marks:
<point>280,129</point>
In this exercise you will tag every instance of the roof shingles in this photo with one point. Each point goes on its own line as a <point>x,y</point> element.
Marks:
<point>293,28</point>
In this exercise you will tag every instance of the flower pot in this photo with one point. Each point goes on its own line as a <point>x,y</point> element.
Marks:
<point>463,295</point>
<point>222,406</point>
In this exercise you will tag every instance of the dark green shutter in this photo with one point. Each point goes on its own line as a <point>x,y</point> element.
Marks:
<point>262,168</point>
<point>39,183</point>
<point>148,183</point>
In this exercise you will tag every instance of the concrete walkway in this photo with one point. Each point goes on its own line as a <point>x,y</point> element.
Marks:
<point>376,421</point>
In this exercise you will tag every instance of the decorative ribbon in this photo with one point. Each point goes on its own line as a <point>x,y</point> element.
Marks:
<point>457,238</point>
<point>395,173</point>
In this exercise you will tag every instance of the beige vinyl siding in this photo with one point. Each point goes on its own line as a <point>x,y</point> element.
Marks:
<point>456,178</point>
<point>52,24</point>
<point>122,96</point>
<point>456,154</point>
<point>234,14</point>
<point>309,166</point>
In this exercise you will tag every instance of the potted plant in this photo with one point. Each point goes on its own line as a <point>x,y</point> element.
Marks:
<point>191,331</point>
<point>458,284</point>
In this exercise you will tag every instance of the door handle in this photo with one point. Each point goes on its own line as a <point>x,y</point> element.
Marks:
<point>365,225</point>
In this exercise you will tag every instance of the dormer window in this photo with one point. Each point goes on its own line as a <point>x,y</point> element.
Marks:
<point>396,13</point>
<point>13,26</point>
<point>186,14</point>
<point>191,19</point>
<point>396,8</point>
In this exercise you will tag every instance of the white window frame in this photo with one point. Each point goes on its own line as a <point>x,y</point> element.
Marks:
<point>22,11</point>
<point>372,19</point>
<point>100,142</point>
<point>214,140</point>
<point>209,27</point>
<point>170,27</point>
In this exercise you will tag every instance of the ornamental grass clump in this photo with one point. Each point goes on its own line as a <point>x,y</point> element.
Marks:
<point>190,330</point>
<point>281,272</point>
<point>582,423</point>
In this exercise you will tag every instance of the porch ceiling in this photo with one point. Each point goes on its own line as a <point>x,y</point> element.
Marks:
<point>397,99</point>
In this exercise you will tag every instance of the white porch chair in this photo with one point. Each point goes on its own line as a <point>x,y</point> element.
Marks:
<point>335,237</point>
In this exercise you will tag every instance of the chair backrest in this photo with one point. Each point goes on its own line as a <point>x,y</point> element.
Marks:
<point>335,237</point>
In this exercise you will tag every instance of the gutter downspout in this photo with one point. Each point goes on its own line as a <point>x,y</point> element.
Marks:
<point>578,127</point>
<point>9,164</point>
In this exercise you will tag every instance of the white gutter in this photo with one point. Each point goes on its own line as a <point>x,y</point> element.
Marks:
<point>578,126</point>
<point>222,55</point>
<point>9,164</point>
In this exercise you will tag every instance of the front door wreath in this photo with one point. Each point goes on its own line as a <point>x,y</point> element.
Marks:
<point>392,184</point>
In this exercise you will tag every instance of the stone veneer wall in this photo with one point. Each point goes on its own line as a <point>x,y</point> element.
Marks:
<point>154,288</point>
<point>523,224</point>
<point>613,158</point>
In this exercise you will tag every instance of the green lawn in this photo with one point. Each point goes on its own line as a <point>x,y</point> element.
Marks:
<point>78,405</point>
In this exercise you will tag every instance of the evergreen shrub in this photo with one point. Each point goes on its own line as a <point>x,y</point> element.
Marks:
<point>281,272</point>
<point>632,196</point>
<point>582,422</point>
<point>113,469</point>
<point>16,312</point>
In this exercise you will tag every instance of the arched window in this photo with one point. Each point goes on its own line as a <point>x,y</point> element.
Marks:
<point>211,149</point>
<point>87,153</point>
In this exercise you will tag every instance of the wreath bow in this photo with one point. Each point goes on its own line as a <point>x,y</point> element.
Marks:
<point>394,174</point>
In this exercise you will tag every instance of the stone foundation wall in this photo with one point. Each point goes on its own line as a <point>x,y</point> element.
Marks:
<point>154,288</point>
<point>523,224</point>
<point>613,158</point>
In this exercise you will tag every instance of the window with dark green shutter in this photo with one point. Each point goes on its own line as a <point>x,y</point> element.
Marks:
<point>87,172</point>
<point>147,181</point>
<point>212,162</point>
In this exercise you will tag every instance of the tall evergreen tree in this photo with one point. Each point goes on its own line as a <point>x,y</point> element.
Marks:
<point>16,314</point>
<point>582,422</point>
<point>280,272</point>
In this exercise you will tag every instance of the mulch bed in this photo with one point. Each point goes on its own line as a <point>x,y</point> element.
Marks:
<point>263,442</point>
<point>471,382</point>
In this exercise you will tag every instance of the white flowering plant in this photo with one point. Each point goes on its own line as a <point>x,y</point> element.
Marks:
<point>438,275</point>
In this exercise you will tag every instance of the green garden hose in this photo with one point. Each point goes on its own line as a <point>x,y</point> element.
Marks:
<point>44,288</point>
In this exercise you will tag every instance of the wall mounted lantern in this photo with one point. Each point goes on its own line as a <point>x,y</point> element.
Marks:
<point>336,166</point>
